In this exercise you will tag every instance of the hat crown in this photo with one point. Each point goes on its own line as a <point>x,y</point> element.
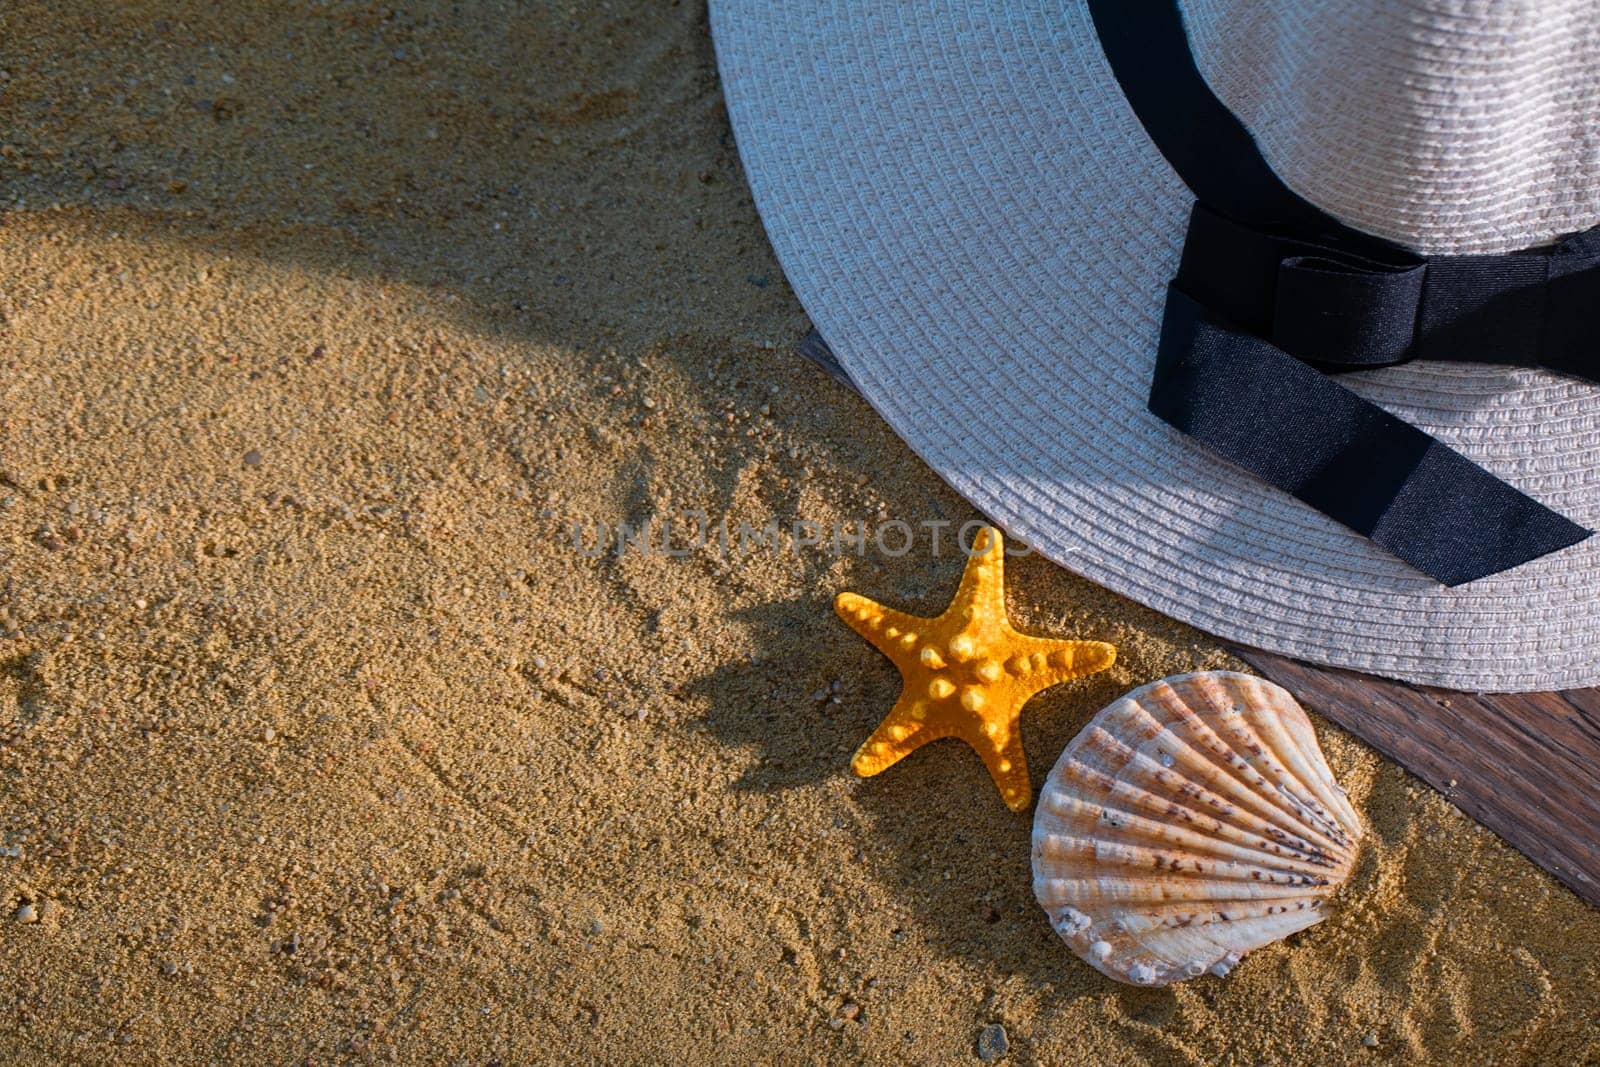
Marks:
<point>1450,126</point>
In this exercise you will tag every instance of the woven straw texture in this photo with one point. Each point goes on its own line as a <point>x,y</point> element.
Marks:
<point>976,222</point>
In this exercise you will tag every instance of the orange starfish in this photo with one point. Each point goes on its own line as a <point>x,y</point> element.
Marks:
<point>967,673</point>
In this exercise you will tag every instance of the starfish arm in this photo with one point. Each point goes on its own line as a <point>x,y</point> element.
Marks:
<point>1008,767</point>
<point>901,733</point>
<point>894,633</point>
<point>1041,662</point>
<point>982,593</point>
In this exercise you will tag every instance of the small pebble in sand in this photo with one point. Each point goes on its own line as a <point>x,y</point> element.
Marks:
<point>27,914</point>
<point>992,1043</point>
<point>252,458</point>
<point>1370,1041</point>
<point>596,927</point>
<point>649,403</point>
<point>850,1010</point>
<point>269,735</point>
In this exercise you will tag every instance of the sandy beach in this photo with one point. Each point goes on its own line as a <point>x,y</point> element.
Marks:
<point>322,741</point>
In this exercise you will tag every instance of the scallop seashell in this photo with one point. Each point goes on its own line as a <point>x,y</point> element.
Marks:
<point>1192,821</point>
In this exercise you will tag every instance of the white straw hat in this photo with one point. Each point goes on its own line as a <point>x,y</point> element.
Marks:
<point>981,228</point>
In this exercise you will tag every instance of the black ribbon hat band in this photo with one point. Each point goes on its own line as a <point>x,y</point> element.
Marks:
<point>1273,294</point>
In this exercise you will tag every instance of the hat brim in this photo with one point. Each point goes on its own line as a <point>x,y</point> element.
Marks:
<point>980,228</point>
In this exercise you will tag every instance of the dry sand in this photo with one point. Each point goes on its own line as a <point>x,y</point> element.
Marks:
<point>320,741</point>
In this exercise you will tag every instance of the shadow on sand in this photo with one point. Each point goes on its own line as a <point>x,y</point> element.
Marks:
<point>575,182</point>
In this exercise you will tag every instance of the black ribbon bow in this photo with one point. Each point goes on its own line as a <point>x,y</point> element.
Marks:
<point>1273,294</point>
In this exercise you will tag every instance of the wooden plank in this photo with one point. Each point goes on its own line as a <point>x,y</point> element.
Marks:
<point>1526,765</point>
